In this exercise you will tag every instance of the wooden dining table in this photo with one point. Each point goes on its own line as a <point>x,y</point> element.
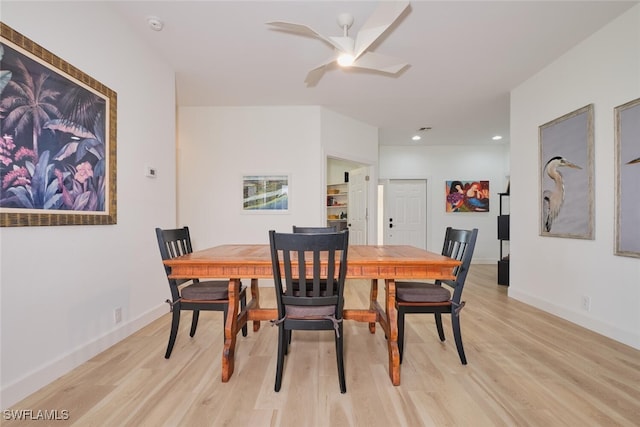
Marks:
<point>253,261</point>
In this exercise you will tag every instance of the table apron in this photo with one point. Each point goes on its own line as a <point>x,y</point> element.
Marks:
<point>353,272</point>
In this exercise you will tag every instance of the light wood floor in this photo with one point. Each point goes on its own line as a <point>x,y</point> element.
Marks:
<point>526,368</point>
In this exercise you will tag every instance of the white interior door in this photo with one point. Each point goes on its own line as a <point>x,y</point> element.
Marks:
<point>405,213</point>
<point>358,201</point>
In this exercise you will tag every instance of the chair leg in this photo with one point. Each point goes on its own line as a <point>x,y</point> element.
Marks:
<point>340,359</point>
<point>455,325</point>
<point>287,343</point>
<point>400,332</point>
<point>175,322</point>
<point>243,304</point>
<point>282,343</point>
<point>438,317</point>
<point>194,322</point>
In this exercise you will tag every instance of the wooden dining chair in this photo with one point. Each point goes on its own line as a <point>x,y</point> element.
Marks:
<point>196,295</point>
<point>420,297</point>
<point>312,230</point>
<point>300,257</point>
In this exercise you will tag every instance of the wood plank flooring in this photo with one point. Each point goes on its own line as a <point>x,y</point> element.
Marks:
<point>526,368</point>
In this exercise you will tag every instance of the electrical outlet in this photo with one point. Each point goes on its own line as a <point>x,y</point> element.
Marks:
<point>586,303</point>
<point>117,315</point>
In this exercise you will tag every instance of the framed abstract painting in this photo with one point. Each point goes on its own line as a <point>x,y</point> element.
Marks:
<point>467,196</point>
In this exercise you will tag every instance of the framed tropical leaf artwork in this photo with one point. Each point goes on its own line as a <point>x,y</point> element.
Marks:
<point>57,139</point>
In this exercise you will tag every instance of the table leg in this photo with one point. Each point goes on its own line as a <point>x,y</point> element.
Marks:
<point>392,337</point>
<point>255,296</point>
<point>373,302</point>
<point>230,330</point>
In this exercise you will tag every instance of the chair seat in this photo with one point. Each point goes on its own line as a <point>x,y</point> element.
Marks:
<point>309,311</point>
<point>421,292</point>
<point>210,290</point>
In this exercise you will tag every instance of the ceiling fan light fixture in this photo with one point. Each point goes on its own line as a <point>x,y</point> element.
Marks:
<point>345,60</point>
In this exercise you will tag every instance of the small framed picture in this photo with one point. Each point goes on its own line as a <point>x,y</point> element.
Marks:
<point>265,193</point>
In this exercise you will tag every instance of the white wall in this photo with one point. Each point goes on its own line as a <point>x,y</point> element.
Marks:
<point>60,285</point>
<point>218,145</point>
<point>438,164</point>
<point>555,273</point>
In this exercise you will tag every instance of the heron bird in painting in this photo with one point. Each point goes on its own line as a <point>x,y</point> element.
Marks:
<point>552,199</point>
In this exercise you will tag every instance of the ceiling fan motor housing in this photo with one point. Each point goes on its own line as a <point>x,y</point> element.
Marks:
<point>345,20</point>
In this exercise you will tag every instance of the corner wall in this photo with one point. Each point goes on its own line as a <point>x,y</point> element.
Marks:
<point>555,273</point>
<point>59,286</point>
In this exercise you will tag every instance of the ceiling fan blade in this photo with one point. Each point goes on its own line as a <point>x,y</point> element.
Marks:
<point>314,76</point>
<point>303,30</point>
<point>381,19</point>
<point>378,62</point>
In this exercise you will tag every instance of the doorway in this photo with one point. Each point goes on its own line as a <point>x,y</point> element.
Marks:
<point>405,213</point>
<point>353,179</point>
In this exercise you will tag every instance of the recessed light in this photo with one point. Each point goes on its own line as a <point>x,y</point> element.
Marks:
<point>416,137</point>
<point>497,138</point>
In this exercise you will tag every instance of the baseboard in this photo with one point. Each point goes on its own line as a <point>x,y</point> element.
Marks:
<point>630,338</point>
<point>32,382</point>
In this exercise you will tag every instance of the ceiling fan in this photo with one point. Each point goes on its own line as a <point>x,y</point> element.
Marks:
<point>350,52</point>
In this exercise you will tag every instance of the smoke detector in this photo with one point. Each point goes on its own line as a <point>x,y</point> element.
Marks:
<point>155,23</point>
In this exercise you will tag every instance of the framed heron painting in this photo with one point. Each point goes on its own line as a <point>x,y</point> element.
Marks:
<point>57,139</point>
<point>627,140</point>
<point>566,175</point>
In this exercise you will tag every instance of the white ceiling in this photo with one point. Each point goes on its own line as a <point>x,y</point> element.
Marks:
<point>464,56</point>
